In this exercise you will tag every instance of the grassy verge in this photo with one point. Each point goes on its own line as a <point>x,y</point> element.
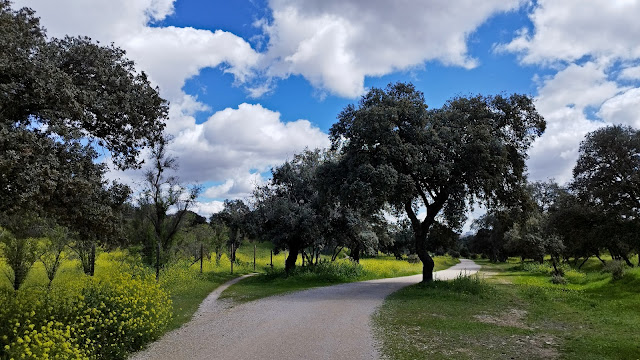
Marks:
<point>516,312</point>
<point>342,271</point>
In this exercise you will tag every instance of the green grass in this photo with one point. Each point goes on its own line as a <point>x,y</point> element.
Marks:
<point>515,313</point>
<point>277,282</point>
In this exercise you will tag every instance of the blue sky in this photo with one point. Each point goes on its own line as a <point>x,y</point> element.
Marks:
<point>251,82</point>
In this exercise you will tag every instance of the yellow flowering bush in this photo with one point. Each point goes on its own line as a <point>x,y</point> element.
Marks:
<point>35,324</point>
<point>123,313</point>
<point>105,317</point>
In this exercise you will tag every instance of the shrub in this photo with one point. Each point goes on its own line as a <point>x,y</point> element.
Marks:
<point>454,254</point>
<point>38,324</point>
<point>122,313</point>
<point>575,276</point>
<point>343,270</point>
<point>466,285</point>
<point>537,268</point>
<point>102,318</point>
<point>558,279</point>
<point>413,259</point>
<point>616,268</point>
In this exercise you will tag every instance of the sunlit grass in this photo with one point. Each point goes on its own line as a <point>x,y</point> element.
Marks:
<point>524,315</point>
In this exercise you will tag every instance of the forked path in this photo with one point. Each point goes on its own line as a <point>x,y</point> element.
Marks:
<point>330,322</point>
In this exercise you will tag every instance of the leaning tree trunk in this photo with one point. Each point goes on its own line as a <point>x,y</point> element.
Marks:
<point>427,261</point>
<point>626,259</point>
<point>290,262</point>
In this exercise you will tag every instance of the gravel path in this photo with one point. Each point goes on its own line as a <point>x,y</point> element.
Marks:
<point>330,322</point>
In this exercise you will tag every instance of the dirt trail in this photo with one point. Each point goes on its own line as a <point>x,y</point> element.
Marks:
<point>330,322</point>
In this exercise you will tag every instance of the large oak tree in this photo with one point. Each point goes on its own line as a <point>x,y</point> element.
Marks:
<point>607,179</point>
<point>60,101</point>
<point>395,151</point>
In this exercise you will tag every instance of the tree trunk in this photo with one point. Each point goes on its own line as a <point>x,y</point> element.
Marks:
<point>92,259</point>
<point>18,277</point>
<point>585,260</point>
<point>427,261</point>
<point>234,248</point>
<point>158,250</point>
<point>599,258</point>
<point>355,252</point>
<point>232,237</point>
<point>626,259</point>
<point>290,262</point>
<point>427,266</point>
<point>554,262</point>
<point>201,256</point>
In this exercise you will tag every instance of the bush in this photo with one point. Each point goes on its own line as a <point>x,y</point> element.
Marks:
<point>122,313</point>
<point>454,254</point>
<point>37,325</point>
<point>344,270</point>
<point>464,252</point>
<point>100,318</point>
<point>466,285</point>
<point>558,280</point>
<point>616,268</point>
<point>413,259</point>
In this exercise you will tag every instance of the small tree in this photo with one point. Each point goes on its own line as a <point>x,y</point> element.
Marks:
<point>161,195</point>
<point>235,216</point>
<point>52,250</point>
<point>20,245</point>
<point>219,238</point>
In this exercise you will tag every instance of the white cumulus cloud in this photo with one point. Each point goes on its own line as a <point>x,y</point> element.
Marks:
<point>568,30</point>
<point>336,43</point>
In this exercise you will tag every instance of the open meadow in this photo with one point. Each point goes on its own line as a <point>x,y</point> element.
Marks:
<point>513,311</point>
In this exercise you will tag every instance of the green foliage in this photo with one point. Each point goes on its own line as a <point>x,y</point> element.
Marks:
<point>606,179</point>
<point>289,208</point>
<point>462,285</point>
<point>331,271</point>
<point>51,250</point>
<point>616,268</point>
<point>19,255</point>
<point>558,279</point>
